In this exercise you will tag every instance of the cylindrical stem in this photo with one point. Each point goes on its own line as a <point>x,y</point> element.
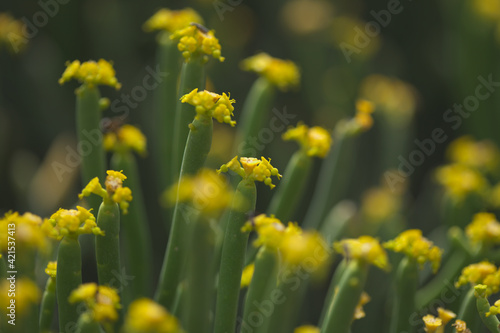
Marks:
<point>107,247</point>
<point>48,305</point>
<point>404,302</point>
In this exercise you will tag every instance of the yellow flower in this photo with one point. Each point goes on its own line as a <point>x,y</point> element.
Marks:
<point>172,20</point>
<point>194,40</point>
<point>303,248</point>
<point>209,104</point>
<point>445,315</point>
<point>11,33</point>
<point>363,117</point>
<point>460,180</point>
<point>115,191</point>
<point>432,323</point>
<point>475,154</point>
<point>246,275</point>
<point>483,273</point>
<point>126,138</point>
<point>365,249</point>
<point>71,222</point>
<point>282,73</point>
<point>487,9</point>
<point>484,228</point>
<point>269,229</point>
<point>144,315</point>
<point>207,191</point>
<point>461,326</point>
<point>359,312</point>
<point>379,204</point>
<point>315,141</point>
<point>26,229</point>
<point>415,246</point>
<point>307,329</point>
<point>51,269</point>
<point>26,295</point>
<point>252,169</point>
<point>102,301</point>
<point>91,73</point>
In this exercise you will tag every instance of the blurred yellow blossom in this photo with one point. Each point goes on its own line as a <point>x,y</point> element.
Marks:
<point>359,312</point>
<point>415,246</point>
<point>461,326</point>
<point>26,295</point>
<point>51,269</point>
<point>484,228</point>
<point>102,301</point>
<point>28,231</point>
<point>345,34</point>
<point>379,204</point>
<point>460,180</point>
<point>209,104</point>
<point>194,40</point>
<point>304,248</point>
<point>307,329</point>
<point>483,155</point>
<point>246,275</point>
<point>365,249</point>
<point>432,323</point>
<point>144,315</point>
<point>71,222</point>
<point>126,138</point>
<point>252,169</point>
<point>91,73</point>
<point>11,33</point>
<point>282,73</point>
<point>315,141</point>
<point>487,9</point>
<point>484,273</point>
<point>172,20</point>
<point>445,315</point>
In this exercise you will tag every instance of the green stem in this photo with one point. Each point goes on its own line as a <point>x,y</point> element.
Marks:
<point>87,325</point>
<point>233,257</point>
<point>331,290</point>
<point>48,305</point>
<point>165,101</point>
<point>192,76</point>
<point>69,277</point>
<point>491,322</point>
<point>257,106</point>
<point>196,151</point>
<point>107,247</point>
<point>404,302</point>
<point>200,277</point>
<point>337,220</point>
<point>265,275</point>
<point>136,241</point>
<point>3,268</point>
<point>341,310</point>
<point>88,117</point>
<point>468,310</point>
<point>290,189</point>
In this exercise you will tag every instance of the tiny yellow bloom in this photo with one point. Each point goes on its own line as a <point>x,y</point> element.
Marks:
<point>304,249</point>
<point>269,229</point>
<point>94,186</point>
<point>144,315</point>
<point>415,246</point>
<point>432,323</point>
<point>461,326</point>
<point>194,40</point>
<point>483,155</point>
<point>363,117</point>
<point>11,33</point>
<point>212,105</point>
<point>282,73</point>
<point>315,141</point>
<point>126,138</point>
<point>379,204</point>
<point>460,180</point>
<point>71,222</point>
<point>252,169</point>
<point>494,309</point>
<point>359,312</point>
<point>102,301</point>
<point>27,294</point>
<point>51,269</point>
<point>307,329</point>
<point>483,273</point>
<point>28,231</point>
<point>365,249</point>
<point>246,275</point>
<point>91,73</point>
<point>445,315</point>
<point>172,20</point>
<point>484,228</point>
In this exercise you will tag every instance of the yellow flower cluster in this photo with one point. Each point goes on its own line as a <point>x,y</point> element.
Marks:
<point>460,180</point>
<point>315,141</point>
<point>282,73</point>
<point>379,204</point>
<point>72,222</point>
<point>126,138</point>
<point>209,104</point>
<point>91,73</point>
<point>144,315</point>
<point>246,275</point>
<point>51,269</point>
<point>415,246</point>
<point>172,20</point>
<point>114,192</point>
<point>482,155</point>
<point>252,169</point>
<point>307,329</point>
<point>28,232</point>
<point>11,33</point>
<point>27,294</point>
<point>483,273</point>
<point>207,191</point>
<point>195,40</point>
<point>102,301</point>
<point>364,110</point>
<point>483,228</point>
<point>437,325</point>
<point>461,326</point>
<point>366,249</point>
